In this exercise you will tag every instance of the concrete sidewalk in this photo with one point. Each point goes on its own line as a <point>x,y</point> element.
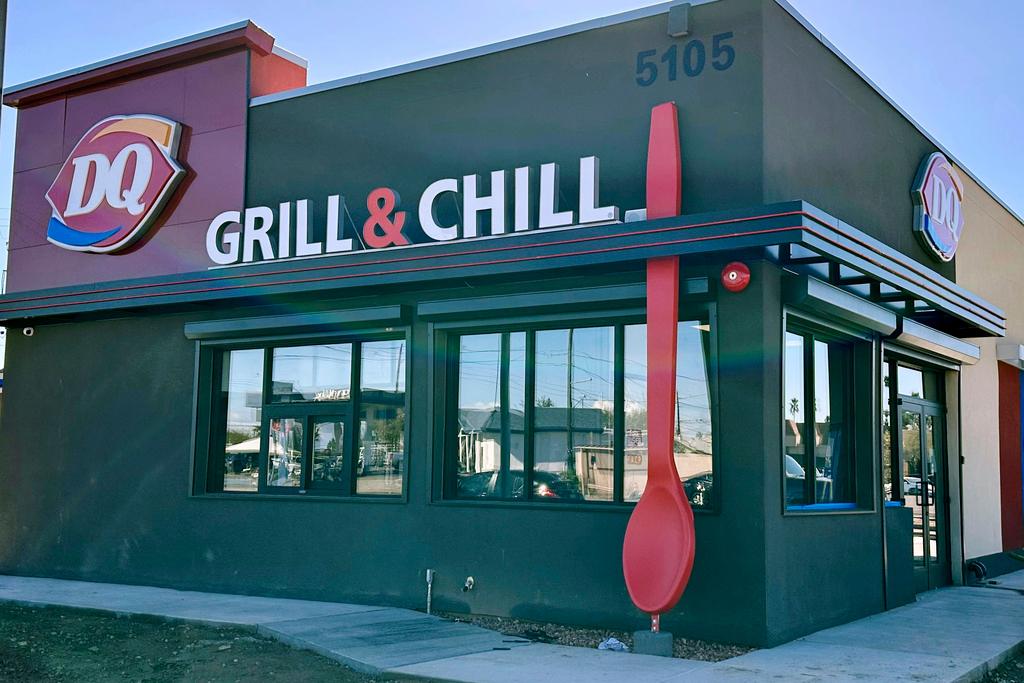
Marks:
<point>948,635</point>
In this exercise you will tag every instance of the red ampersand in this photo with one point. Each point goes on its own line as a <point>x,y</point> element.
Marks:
<point>380,230</point>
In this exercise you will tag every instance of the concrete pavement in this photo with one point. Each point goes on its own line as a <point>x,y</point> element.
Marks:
<point>953,634</point>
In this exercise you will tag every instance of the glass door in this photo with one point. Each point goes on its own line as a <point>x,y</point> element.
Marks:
<point>922,454</point>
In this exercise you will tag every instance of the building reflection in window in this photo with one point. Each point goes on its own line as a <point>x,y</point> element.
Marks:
<point>312,373</point>
<point>381,465</point>
<point>284,453</point>
<point>572,416</point>
<point>693,447</point>
<point>242,394</point>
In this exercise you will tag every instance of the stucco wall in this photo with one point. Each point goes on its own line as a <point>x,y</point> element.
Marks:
<point>989,264</point>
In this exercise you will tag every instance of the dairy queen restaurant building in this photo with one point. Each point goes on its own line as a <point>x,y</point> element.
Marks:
<point>313,341</point>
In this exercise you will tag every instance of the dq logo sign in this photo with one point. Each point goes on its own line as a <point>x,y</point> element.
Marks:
<point>938,198</point>
<point>114,183</point>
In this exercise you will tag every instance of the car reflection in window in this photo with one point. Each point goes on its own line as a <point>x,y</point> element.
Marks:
<point>546,485</point>
<point>795,476</point>
<point>552,486</point>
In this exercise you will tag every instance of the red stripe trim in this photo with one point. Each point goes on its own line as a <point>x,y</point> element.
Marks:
<point>400,271</point>
<point>470,252</point>
<point>938,293</point>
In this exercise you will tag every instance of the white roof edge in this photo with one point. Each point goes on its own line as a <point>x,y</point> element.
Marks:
<point>126,56</point>
<point>290,56</point>
<point>533,38</point>
<point>784,4</point>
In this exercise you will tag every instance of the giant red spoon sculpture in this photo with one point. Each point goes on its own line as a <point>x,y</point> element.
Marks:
<point>657,553</point>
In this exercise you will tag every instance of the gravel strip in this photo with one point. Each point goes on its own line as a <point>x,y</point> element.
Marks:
<point>684,648</point>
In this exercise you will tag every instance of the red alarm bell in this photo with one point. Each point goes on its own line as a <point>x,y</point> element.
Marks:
<point>736,276</point>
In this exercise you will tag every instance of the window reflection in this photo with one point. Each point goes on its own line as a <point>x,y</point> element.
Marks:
<point>794,427</point>
<point>887,489</point>
<point>328,450</point>
<point>479,415</point>
<point>573,444</point>
<point>572,419</point>
<point>517,412</point>
<point>381,465</point>
<point>284,453</point>
<point>914,480</point>
<point>242,393</point>
<point>818,454</point>
<point>312,373</point>
<point>919,383</point>
<point>911,381</point>
<point>832,454</point>
<point>693,447</point>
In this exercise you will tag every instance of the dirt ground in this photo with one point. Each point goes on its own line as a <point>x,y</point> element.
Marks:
<point>1010,672</point>
<point>684,648</point>
<point>55,644</point>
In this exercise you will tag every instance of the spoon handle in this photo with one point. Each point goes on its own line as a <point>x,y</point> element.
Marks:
<point>657,553</point>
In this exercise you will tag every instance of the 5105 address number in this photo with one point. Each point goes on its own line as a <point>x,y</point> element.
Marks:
<point>692,59</point>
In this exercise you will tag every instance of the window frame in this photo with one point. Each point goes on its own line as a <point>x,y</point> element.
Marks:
<point>863,377</point>
<point>206,472</point>
<point>443,377</point>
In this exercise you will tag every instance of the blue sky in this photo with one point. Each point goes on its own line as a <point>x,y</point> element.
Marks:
<point>952,65</point>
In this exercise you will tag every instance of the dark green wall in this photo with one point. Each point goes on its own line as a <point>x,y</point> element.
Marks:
<point>831,140</point>
<point>550,102</point>
<point>95,461</point>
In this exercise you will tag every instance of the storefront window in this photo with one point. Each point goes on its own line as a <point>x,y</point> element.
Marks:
<point>818,453</point>
<point>479,415</point>
<point>312,373</point>
<point>241,390</point>
<point>692,425</point>
<point>573,412</point>
<point>284,453</point>
<point>794,425</point>
<point>295,433</point>
<point>888,493</point>
<point>576,398</point>
<point>381,466</point>
<point>916,383</point>
<point>328,451</point>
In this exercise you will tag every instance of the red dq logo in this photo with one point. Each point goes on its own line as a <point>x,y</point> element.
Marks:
<point>114,183</point>
<point>938,199</point>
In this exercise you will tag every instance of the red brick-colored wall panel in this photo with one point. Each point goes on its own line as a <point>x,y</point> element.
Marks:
<point>1010,484</point>
<point>160,93</point>
<point>30,208</point>
<point>208,97</point>
<point>272,73</point>
<point>40,137</point>
<point>213,91</point>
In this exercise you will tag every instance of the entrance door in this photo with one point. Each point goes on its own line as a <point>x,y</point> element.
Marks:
<point>923,455</point>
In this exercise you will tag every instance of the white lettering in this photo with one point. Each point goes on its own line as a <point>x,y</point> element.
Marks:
<point>303,247</point>
<point>428,217</point>
<point>82,164</point>
<point>215,235</point>
<point>550,216</point>
<point>335,203</point>
<point>523,182</point>
<point>258,221</point>
<point>284,230</point>
<point>945,204</point>
<point>121,198</point>
<point>590,180</point>
<point>473,204</point>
